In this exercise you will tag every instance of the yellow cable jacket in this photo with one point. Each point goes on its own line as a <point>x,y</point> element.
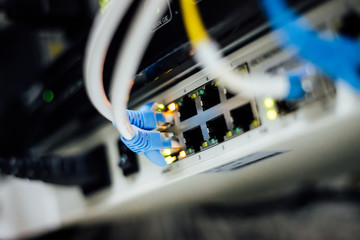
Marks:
<point>194,26</point>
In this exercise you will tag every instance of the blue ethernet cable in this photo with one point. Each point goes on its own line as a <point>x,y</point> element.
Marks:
<point>296,91</point>
<point>338,57</point>
<point>147,142</point>
<point>145,119</point>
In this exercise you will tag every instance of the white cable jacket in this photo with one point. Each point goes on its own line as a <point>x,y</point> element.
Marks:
<point>132,52</point>
<point>102,32</point>
<point>208,55</point>
<point>129,59</point>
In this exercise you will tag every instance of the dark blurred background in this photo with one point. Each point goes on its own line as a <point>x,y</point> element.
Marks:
<point>328,210</point>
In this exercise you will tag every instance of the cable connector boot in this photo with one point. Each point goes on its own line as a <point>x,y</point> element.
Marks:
<point>148,143</point>
<point>142,119</point>
<point>296,90</point>
<point>148,119</point>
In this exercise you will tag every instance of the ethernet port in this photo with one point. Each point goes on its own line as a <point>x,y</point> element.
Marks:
<point>243,117</point>
<point>349,25</point>
<point>217,128</point>
<point>210,96</point>
<point>229,94</point>
<point>187,108</point>
<point>194,139</point>
<point>285,107</point>
<point>242,69</point>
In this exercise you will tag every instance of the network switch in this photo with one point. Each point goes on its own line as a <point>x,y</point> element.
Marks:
<point>221,132</point>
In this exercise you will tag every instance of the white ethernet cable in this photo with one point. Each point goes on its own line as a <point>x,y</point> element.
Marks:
<point>104,27</point>
<point>129,59</point>
<point>130,56</point>
<point>208,55</point>
<point>127,62</point>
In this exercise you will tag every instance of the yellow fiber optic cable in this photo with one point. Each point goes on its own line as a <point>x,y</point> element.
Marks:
<point>193,23</point>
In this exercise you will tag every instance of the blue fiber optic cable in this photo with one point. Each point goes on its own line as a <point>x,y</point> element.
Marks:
<point>338,57</point>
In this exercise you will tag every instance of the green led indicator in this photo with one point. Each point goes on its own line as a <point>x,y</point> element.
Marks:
<point>48,96</point>
<point>237,130</point>
<point>201,92</point>
<point>190,150</point>
<point>179,104</point>
<point>212,141</point>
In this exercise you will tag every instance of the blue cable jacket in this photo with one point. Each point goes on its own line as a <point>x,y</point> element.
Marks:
<point>148,143</point>
<point>142,119</point>
<point>338,57</point>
